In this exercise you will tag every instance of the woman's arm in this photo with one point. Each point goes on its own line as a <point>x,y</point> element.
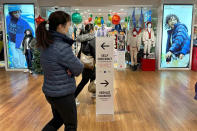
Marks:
<point>85,37</point>
<point>70,61</point>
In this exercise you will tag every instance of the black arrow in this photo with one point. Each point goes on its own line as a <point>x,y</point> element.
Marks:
<point>103,46</point>
<point>106,83</point>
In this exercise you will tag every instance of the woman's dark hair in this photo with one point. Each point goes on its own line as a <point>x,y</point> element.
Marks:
<point>168,17</point>
<point>44,38</point>
<point>29,31</point>
<point>88,28</point>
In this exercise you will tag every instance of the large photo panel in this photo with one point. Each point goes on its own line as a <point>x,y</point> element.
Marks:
<point>176,36</point>
<point>18,19</point>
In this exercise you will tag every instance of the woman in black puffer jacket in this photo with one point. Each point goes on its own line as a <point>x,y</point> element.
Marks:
<point>88,48</point>
<point>60,66</point>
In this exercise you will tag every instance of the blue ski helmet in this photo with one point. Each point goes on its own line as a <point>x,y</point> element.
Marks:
<point>12,8</point>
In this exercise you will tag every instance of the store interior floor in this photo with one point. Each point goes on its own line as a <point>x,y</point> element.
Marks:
<point>144,101</point>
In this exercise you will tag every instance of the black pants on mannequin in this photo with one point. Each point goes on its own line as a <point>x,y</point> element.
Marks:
<point>29,57</point>
<point>2,54</point>
<point>87,75</point>
<point>64,112</point>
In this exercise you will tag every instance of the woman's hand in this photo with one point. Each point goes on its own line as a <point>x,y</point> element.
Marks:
<point>69,73</point>
<point>181,56</point>
<point>169,54</point>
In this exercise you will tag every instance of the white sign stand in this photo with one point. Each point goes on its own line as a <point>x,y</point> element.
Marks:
<point>104,78</point>
<point>115,58</point>
<point>121,60</point>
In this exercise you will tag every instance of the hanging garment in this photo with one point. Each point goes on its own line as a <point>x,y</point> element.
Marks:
<point>101,32</point>
<point>121,42</point>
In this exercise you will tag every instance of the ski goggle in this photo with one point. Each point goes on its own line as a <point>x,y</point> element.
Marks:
<point>16,12</point>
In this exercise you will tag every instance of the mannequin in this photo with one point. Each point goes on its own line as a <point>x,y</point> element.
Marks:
<point>148,39</point>
<point>28,44</point>
<point>134,40</point>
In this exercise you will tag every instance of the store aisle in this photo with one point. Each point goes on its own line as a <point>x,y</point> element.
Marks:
<point>144,101</point>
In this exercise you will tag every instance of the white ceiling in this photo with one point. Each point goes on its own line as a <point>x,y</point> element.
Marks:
<point>97,2</point>
<point>154,3</point>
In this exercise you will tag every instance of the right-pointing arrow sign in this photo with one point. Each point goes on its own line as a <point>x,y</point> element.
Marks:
<point>103,46</point>
<point>106,83</point>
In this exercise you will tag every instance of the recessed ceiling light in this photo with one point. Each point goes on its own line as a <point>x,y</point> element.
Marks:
<point>121,9</point>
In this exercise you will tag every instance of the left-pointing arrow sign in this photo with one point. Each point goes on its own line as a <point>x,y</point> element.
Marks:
<point>104,45</point>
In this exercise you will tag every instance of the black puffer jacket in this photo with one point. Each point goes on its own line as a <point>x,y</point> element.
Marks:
<point>55,61</point>
<point>88,45</point>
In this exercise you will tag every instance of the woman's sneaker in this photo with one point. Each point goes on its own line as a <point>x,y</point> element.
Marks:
<point>93,95</point>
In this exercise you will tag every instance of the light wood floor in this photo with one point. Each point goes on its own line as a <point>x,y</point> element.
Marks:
<point>144,101</point>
